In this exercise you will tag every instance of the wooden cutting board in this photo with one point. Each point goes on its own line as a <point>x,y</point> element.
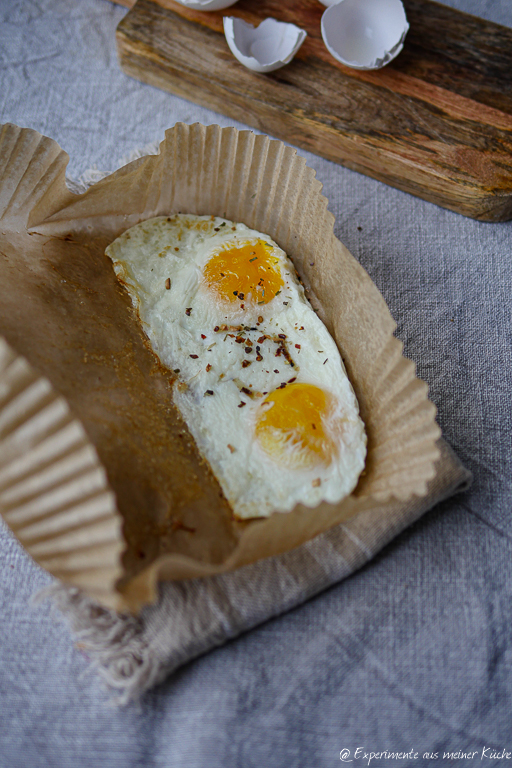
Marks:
<point>436,122</point>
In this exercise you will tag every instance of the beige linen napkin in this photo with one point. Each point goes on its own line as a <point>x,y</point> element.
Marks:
<point>133,654</point>
<point>194,616</point>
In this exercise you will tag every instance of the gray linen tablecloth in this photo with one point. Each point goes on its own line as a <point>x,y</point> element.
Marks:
<point>412,652</point>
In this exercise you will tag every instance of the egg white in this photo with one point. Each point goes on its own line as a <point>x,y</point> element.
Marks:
<point>160,261</point>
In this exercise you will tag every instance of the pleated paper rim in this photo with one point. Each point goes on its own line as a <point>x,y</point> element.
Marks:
<point>54,493</point>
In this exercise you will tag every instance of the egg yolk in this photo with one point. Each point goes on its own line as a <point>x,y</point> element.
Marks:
<point>290,428</point>
<point>246,273</point>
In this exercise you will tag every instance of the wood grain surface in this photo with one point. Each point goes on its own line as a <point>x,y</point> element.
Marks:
<point>436,122</point>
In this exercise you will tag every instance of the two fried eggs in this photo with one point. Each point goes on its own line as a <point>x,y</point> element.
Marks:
<point>260,382</point>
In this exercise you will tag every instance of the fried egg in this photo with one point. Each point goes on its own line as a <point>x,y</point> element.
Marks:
<point>260,381</point>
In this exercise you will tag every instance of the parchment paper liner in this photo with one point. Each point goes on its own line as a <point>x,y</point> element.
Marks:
<point>62,308</point>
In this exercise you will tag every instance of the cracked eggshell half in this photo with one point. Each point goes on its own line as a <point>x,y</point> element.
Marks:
<point>207,5</point>
<point>265,48</point>
<point>364,34</point>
